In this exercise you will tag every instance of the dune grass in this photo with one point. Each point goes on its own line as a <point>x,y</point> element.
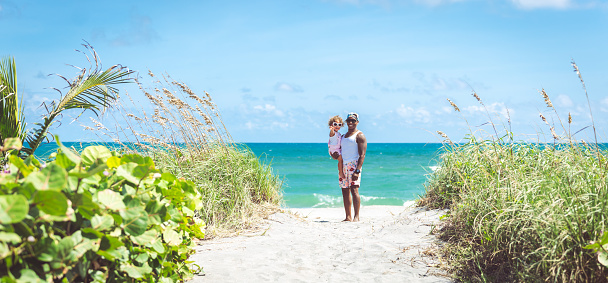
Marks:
<point>522,211</point>
<point>185,135</point>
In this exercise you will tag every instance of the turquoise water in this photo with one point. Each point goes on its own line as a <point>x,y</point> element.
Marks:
<point>392,174</point>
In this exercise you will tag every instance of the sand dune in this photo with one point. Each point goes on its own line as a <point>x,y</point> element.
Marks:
<point>390,244</point>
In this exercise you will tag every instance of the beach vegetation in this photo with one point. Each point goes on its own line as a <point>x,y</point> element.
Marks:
<point>184,134</point>
<point>95,216</point>
<point>92,88</point>
<point>523,211</point>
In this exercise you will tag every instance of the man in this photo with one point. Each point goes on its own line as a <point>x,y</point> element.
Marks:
<point>354,146</point>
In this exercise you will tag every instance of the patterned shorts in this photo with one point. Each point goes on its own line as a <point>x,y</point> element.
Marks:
<point>348,169</point>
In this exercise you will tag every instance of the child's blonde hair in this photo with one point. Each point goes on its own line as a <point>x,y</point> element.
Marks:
<point>335,119</point>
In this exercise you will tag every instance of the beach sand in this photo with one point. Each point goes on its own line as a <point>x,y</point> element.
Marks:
<point>389,244</point>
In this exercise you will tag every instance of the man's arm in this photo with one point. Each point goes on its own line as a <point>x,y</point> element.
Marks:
<point>362,146</point>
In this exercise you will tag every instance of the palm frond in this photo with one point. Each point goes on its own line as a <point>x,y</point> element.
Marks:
<point>12,121</point>
<point>92,89</point>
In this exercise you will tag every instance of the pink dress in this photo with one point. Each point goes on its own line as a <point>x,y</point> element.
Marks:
<point>335,143</point>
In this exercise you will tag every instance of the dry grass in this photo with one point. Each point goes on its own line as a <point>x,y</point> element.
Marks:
<point>184,134</point>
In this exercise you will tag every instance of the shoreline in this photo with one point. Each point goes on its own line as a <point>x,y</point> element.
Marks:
<point>389,244</point>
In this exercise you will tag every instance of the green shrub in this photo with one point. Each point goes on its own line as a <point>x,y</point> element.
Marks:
<point>95,217</point>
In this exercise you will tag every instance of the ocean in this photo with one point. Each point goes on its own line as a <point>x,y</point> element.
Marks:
<point>392,174</point>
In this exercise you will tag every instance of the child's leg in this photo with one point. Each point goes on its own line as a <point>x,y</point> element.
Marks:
<point>341,167</point>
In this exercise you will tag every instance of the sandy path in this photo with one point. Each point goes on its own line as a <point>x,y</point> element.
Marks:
<point>315,246</point>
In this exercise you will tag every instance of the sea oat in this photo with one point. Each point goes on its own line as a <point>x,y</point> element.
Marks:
<point>454,105</point>
<point>477,97</point>
<point>546,97</point>
<point>569,118</point>
<point>443,135</point>
<point>554,134</point>
<point>544,119</point>
<point>150,73</point>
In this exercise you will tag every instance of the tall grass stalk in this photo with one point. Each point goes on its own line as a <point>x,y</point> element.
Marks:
<point>185,135</point>
<point>522,211</point>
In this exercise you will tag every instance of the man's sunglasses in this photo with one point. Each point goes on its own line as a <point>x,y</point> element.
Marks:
<point>337,124</point>
<point>351,120</point>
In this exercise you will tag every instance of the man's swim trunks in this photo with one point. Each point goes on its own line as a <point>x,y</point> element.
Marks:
<point>349,169</point>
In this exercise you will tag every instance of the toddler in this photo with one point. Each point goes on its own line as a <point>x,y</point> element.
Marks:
<point>335,140</point>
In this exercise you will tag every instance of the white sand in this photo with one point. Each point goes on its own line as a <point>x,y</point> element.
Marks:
<point>314,245</point>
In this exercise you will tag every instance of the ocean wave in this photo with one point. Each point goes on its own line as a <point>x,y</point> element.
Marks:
<point>336,200</point>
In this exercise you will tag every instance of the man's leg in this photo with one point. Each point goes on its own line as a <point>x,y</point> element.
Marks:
<point>354,190</point>
<point>347,203</point>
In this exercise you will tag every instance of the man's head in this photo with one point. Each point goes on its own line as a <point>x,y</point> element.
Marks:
<point>352,119</point>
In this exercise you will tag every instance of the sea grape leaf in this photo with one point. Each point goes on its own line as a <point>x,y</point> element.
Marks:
<point>126,171</point>
<point>12,143</point>
<point>602,257</point>
<point>102,222</point>
<point>92,153</point>
<point>51,177</point>
<point>62,160</point>
<point>17,162</point>
<point>51,202</point>
<point>135,220</point>
<point>157,245</point>
<point>4,250</point>
<point>136,271</point>
<point>13,208</point>
<point>28,275</point>
<point>84,203</point>
<point>142,257</point>
<point>10,237</point>
<point>111,199</point>
<point>113,162</point>
<point>171,237</point>
<point>141,171</point>
<point>57,253</point>
<point>145,238</point>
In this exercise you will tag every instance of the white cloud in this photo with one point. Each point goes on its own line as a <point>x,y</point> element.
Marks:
<point>563,101</point>
<point>539,4</point>
<point>411,115</point>
<point>496,108</point>
<point>604,104</point>
<point>288,87</point>
<point>268,109</point>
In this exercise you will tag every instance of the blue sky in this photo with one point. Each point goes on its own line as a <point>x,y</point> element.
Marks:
<point>279,69</point>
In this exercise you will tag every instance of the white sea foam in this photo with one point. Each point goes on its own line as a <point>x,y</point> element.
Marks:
<point>434,168</point>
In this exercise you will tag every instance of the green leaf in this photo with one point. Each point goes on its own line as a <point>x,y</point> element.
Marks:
<point>102,222</point>
<point>126,171</point>
<point>4,250</point>
<point>13,208</point>
<point>58,254</point>
<point>171,237</point>
<point>10,237</point>
<point>30,276</point>
<point>136,271</point>
<point>17,162</point>
<point>93,153</point>
<point>51,202</point>
<point>113,162</point>
<point>51,177</point>
<point>70,154</point>
<point>12,143</point>
<point>135,220</point>
<point>146,238</point>
<point>157,245</point>
<point>602,257</point>
<point>111,199</point>
<point>62,160</point>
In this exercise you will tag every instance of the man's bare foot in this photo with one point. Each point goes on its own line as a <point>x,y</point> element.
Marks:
<point>347,219</point>
<point>356,219</point>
